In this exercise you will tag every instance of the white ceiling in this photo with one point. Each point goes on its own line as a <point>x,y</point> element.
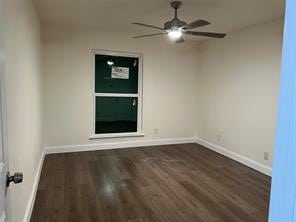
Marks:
<point>117,15</point>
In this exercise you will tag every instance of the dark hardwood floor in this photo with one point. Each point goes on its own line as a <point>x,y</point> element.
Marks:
<point>175,183</point>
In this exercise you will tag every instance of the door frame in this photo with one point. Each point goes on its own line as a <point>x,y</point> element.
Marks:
<point>3,116</point>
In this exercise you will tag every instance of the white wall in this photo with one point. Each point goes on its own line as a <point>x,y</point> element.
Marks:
<point>238,90</point>
<point>219,87</point>
<point>169,84</point>
<point>23,92</point>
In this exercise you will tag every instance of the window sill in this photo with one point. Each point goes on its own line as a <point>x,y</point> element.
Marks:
<point>115,135</point>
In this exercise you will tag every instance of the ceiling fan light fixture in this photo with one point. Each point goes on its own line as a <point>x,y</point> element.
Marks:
<point>175,33</point>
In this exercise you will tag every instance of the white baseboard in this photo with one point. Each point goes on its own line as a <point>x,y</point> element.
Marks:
<point>156,142</point>
<point>32,197</point>
<point>116,145</point>
<point>237,157</point>
<point>141,143</point>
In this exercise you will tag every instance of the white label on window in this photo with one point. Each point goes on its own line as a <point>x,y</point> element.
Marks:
<point>120,73</point>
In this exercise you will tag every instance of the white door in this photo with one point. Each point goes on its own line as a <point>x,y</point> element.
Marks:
<point>3,156</point>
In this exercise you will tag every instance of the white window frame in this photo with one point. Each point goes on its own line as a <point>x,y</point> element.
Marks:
<point>139,95</point>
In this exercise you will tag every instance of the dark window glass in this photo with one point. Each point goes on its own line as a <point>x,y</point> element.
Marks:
<point>107,80</point>
<point>116,115</point>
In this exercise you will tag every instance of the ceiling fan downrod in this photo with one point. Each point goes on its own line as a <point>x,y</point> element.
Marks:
<point>176,5</point>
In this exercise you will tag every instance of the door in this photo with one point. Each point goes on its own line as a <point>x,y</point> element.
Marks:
<point>3,162</point>
<point>283,192</point>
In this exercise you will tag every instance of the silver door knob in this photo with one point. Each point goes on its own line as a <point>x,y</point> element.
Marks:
<point>16,178</point>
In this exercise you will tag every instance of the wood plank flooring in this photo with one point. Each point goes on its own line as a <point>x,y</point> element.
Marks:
<point>174,183</point>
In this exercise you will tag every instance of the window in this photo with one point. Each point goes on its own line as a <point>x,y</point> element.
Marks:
<point>117,94</point>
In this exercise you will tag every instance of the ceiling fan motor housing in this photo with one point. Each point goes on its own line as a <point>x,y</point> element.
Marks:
<point>174,23</point>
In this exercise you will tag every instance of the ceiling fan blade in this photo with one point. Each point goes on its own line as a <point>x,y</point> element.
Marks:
<point>206,34</point>
<point>180,40</point>
<point>196,24</point>
<point>148,35</point>
<point>149,26</point>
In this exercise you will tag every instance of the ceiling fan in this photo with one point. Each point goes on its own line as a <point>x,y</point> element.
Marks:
<point>176,28</point>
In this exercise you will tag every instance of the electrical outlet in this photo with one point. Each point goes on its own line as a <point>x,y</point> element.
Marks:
<point>218,137</point>
<point>156,131</point>
<point>266,156</point>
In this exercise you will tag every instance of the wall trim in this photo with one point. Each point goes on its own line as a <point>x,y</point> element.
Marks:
<point>30,205</point>
<point>116,145</point>
<point>235,156</point>
<point>141,143</point>
<point>156,142</point>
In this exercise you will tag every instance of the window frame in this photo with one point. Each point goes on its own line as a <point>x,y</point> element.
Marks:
<point>139,95</point>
